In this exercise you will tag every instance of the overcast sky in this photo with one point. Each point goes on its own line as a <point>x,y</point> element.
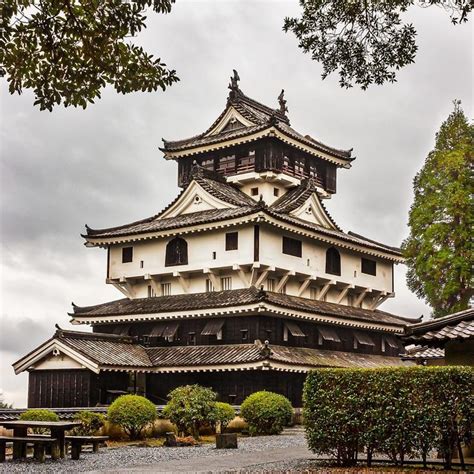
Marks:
<point>102,166</point>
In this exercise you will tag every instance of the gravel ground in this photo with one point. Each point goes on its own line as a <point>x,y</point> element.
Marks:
<point>135,456</point>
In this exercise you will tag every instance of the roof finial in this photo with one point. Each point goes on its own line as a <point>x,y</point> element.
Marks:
<point>234,81</point>
<point>282,102</point>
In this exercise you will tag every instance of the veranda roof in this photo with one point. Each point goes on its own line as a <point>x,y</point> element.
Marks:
<point>100,352</point>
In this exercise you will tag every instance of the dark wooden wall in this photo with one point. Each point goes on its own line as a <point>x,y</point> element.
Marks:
<point>231,387</point>
<point>262,328</point>
<point>60,388</point>
<point>270,155</point>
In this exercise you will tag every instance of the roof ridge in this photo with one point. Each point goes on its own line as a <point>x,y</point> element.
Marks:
<point>67,333</point>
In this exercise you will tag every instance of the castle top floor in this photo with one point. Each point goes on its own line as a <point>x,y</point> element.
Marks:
<point>250,142</point>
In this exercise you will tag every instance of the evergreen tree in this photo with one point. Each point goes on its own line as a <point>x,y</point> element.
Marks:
<point>439,251</point>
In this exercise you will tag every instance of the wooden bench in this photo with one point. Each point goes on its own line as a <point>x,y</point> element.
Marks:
<point>78,441</point>
<point>19,447</point>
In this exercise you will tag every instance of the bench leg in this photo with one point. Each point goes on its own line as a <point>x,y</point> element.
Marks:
<point>55,454</point>
<point>3,450</point>
<point>75,450</point>
<point>39,452</point>
<point>95,446</point>
<point>19,450</point>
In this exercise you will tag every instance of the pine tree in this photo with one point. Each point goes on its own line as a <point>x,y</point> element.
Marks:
<point>439,251</point>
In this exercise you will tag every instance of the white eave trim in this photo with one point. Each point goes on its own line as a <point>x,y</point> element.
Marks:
<point>46,349</point>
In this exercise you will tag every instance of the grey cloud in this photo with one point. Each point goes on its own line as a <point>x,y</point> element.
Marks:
<point>20,336</point>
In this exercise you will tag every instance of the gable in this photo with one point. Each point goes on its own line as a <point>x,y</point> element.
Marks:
<point>313,211</point>
<point>231,120</point>
<point>195,199</point>
<point>54,354</point>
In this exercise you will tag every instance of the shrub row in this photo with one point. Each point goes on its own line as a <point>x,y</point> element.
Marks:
<point>190,408</point>
<point>400,412</point>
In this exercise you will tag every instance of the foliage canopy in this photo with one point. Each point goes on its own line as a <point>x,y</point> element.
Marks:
<point>439,250</point>
<point>91,423</point>
<point>67,52</point>
<point>366,41</point>
<point>189,407</point>
<point>133,413</point>
<point>399,412</point>
<point>266,412</point>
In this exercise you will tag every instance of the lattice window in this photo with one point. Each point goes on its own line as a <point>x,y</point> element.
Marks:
<point>333,261</point>
<point>176,252</point>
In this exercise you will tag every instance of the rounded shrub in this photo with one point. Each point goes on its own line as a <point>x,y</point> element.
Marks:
<point>189,407</point>
<point>91,423</point>
<point>223,414</point>
<point>133,413</point>
<point>266,413</point>
<point>39,414</point>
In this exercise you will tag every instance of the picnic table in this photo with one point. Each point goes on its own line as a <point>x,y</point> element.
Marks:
<point>20,430</point>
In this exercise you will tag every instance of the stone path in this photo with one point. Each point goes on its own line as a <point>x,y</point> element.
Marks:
<point>232,463</point>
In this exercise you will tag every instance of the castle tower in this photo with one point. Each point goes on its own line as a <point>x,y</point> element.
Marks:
<point>244,282</point>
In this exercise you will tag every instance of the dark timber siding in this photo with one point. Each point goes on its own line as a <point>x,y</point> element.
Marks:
<point>59,388</point>
<point>231,387</point>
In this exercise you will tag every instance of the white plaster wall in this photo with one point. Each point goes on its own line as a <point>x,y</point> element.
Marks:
<point>313,261</point>
<point>61,361</point>
<point>200,254</point>
<point>266,189</point>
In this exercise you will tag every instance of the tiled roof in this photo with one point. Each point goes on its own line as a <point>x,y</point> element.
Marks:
<point>106,349</point>
<point>295,197</point>
<point>163,304</point>
<point>322,358</point>
<point>423,353</point>
<point>333,309</point>
<point>457,326</point>
<point>177,222</point>
<point>211,183</point>
<point>222,299</point>
<point>217,186</point>
<point>119,352</point>
<point>261,117</point>
<point>203,355</point>
<point>348,237</point>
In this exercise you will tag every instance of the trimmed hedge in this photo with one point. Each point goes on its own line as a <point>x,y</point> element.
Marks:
<point>91,423</point>
<point>223,414</point>
<point>39,414</point>
<point>399,412</point>
<point>266,413</point>
<point>133,413</point>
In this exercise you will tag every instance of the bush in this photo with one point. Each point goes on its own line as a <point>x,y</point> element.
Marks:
<point>223,414</point>
<point>189,407</point>
<point>399,412</point>
<point>37,414</point>
<point>133,413</point>
<point>91,423</point>
<point>266,412</point>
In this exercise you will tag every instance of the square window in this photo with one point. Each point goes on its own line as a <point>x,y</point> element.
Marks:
<point>369,266</point>
<point>166,289</point>
<point>245,334</point>
<point>276,192</point>
<point>292,246</point>
<point>127,254</point>
<point>232,241</point>
<point>271,284</point>
<point>254,191</point>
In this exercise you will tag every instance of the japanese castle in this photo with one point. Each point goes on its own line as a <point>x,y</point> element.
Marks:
<point>244,282</point>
